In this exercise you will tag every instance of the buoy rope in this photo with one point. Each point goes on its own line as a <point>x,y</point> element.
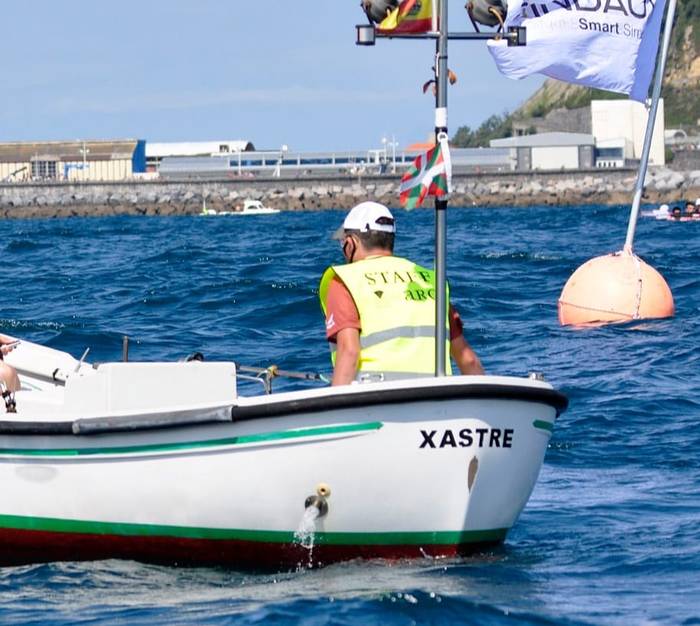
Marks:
<point>591,308</point>
<point>638,303</point>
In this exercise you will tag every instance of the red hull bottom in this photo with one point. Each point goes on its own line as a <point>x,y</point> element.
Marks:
<point>19,547</point>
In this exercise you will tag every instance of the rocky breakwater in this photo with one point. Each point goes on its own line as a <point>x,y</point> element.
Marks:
<point>29,200</point>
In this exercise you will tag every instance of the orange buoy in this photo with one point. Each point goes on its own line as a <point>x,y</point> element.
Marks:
<point>616,287</point>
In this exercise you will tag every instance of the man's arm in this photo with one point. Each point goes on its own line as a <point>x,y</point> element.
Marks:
<point>464,356</point>
<point>4,347</point>
<point>347,356</point>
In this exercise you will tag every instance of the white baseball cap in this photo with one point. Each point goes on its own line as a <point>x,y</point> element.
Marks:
<point>365,217</point>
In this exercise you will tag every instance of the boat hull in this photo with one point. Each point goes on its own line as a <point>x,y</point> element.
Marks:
<point>413,470</point>
<point>33,546</point>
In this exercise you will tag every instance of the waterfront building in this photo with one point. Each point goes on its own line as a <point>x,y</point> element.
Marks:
<point>625,121</point>
<point>72,160</point>
<point>550,151</point>
<point>157,151</point>
<point>617,125</point>
<point>286,164</point>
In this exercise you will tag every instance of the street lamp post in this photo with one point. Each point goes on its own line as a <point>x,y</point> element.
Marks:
<point>393,154</point>
<point>84,151</point>
<point>278,170</point>
<point>386,144</point>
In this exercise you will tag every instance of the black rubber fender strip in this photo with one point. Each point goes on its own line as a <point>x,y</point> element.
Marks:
<point>105,425</point>
<point>20,427</point>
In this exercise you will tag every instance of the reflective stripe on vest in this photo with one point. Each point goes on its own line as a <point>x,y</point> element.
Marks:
<point>367,341</point>
<point>396,302</point>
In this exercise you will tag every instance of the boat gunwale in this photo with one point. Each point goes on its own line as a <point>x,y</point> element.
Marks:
<point>402,395</point>
<point>378,395</point>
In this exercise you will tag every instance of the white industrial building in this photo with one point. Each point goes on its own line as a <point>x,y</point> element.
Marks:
<point>95,160</point>
<point>616,140</point>
<point>550,151</point>
<point>622,123</point>
<point>157,151</point>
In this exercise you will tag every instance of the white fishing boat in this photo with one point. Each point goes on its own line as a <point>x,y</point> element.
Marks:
<point>165,462</point>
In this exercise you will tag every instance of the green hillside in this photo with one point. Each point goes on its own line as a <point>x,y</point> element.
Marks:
<point>681,89</point>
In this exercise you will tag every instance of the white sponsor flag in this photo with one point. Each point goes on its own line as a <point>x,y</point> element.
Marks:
<point>608,44</point>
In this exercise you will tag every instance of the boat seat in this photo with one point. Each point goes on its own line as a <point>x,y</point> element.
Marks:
<point>132,386</point>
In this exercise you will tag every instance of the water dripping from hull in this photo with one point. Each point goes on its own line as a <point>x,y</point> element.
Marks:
<point>305,534</point>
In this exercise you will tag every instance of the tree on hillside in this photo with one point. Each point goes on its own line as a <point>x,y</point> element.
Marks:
<point>494,127</point>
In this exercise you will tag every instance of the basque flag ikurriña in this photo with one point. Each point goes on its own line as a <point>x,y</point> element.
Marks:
<point>430,174</point>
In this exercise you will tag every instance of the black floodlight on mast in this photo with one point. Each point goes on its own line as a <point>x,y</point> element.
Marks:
<point>515,36</point>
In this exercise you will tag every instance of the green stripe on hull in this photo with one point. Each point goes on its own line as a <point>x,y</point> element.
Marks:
<point>55,525</point>
<point>542,425</point>
<point>189,445</point>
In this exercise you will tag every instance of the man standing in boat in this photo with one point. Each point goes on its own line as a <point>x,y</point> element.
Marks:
<point>380,308</point>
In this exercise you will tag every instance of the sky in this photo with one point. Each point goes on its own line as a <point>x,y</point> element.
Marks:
<point>273,72</point>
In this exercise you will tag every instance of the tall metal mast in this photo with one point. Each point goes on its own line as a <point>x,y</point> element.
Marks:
<point>440,203</point>
<point>656,93</point>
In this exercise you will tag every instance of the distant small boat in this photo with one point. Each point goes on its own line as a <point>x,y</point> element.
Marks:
<point>665,213</point>
<point>661,213</point>
<point>255,207</point>
<point>250,207</point>
<point>681,218</point>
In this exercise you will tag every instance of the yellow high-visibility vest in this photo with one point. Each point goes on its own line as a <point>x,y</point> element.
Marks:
<point>396,302</point>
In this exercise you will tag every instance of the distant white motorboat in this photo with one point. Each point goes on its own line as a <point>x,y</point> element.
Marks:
<point>250,207</point>
<point>256,207</point>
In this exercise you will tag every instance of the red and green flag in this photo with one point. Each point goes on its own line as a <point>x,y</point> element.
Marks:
<point>430,175</point>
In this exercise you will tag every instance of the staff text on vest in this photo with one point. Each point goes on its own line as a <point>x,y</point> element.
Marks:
<point>393,278</point>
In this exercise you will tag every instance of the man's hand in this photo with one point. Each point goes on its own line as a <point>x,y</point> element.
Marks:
<point>465,357</point>
<point>7,344</point>
<point>347,356</point>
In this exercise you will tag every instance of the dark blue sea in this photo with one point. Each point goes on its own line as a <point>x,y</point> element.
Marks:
<point>611,534</point>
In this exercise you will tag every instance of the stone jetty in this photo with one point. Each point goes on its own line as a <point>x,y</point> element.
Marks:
<point>164,197</point>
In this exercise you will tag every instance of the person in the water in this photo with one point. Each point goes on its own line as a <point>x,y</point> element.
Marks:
<point>676,213</point>
<point>380,308</point>
<point>8,374</point>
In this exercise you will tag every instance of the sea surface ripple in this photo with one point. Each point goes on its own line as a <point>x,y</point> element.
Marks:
<point>611,534</point>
